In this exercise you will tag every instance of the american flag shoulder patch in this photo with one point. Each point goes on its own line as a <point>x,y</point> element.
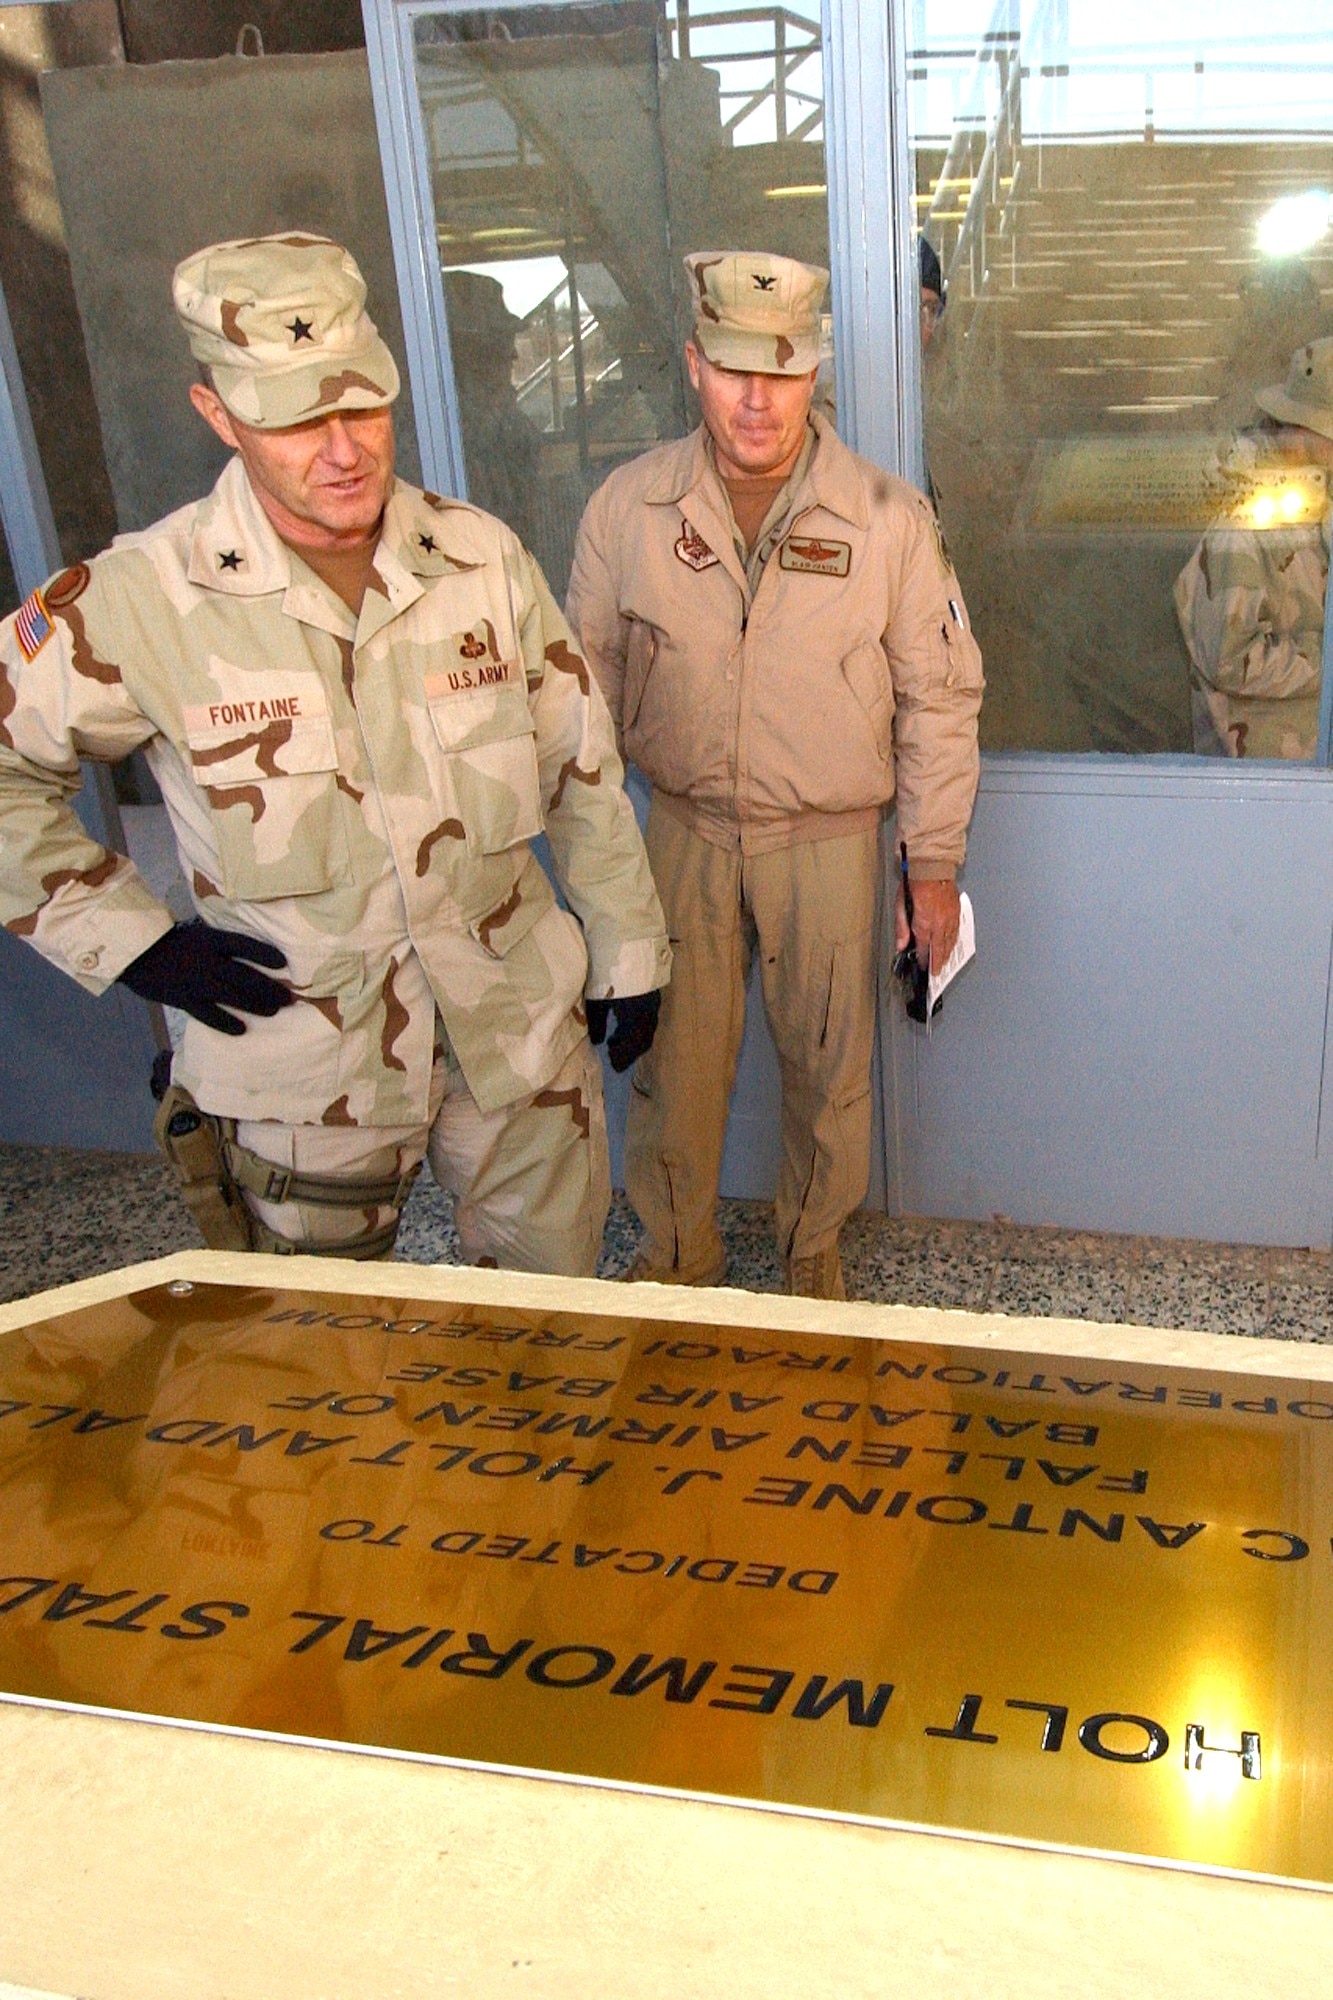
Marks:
<point>33,625</point>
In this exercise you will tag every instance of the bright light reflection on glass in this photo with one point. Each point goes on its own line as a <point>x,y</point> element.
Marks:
<point>1295,223</point>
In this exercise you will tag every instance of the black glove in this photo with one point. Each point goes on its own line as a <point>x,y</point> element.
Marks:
<point>195,967</point>
<point>636,1024</point>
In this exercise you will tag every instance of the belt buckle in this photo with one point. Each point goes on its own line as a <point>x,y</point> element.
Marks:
<point>278,1186</point>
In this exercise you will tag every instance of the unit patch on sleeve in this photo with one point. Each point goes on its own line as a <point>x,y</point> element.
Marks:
<point>32,625</point>
<point>71,583</point>
<point>815,557</point>
<point>692,549</point>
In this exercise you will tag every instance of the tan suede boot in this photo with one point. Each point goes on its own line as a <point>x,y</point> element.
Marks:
<point>818,1276</point>
<point>644,1271</point>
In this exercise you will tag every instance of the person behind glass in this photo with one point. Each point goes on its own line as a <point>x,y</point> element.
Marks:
<point>1251,598</point>
<point>361,705</point>
<point>933,299</point>
<point>932,291</point>
<point>501,447</point>
<point>782,642</point>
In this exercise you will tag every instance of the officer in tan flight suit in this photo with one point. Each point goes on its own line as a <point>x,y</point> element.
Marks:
<point>362,705</point>
<point>783,645</point>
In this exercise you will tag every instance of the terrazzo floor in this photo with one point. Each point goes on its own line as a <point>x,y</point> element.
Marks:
<point>67,1215</point>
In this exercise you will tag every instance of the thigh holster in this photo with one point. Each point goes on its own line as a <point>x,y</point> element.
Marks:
<point>216,1171</point>
<point>191,1141</point>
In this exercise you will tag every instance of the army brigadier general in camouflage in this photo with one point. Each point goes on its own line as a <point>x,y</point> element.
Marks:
<point>361,705</point>
<point>1251,598</point>
<point>783,644</point>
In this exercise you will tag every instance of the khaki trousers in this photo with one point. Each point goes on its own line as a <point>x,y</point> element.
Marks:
<point>531,1182</point>
<point>812,912</point>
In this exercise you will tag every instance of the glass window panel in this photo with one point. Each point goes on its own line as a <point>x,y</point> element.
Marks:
<point>576,153</point>
<point>1143,548</point>
<point>35,264</point>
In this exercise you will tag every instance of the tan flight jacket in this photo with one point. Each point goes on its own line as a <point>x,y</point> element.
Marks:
<point>797,711</point>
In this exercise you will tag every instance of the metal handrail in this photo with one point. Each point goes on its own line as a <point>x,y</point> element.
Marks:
<point>1003,144</point>
<point>1185,57</point>
<point>540,376</point>
<point>786,61</point>
<point>1002,37</point>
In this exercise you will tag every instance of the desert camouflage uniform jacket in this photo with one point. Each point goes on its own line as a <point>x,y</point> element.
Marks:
<point>1251,607</point>
<point>363,793</point>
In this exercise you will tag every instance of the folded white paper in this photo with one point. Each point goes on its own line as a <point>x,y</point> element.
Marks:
<point>964,949</point>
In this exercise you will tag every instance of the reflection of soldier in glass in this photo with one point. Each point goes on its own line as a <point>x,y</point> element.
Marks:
<point>1278,309</point>
<point>1251,598</point>
<point>500,445</point>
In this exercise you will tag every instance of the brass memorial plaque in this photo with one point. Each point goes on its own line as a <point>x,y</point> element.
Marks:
<point>1054,1601</point>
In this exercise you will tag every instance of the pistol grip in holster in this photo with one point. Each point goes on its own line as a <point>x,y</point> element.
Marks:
<point>192,1142</point>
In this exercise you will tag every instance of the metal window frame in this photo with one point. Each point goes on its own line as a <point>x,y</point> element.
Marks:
<point>389,26</point>
<point>875,287</point>
<point>29,524</point>
<point>34,546</point>
<point>1323,754</point>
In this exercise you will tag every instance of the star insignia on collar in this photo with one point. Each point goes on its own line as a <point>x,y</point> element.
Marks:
<point>299,329</point>
<point>428,545</point>
<point>230,559</point>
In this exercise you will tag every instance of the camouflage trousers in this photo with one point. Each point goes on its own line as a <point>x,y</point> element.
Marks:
<point>530,1182</point>
<point>811,911</point>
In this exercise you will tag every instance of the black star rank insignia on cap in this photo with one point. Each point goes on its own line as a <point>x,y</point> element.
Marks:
<point>230,559</point>
<point>428,545</point>
<point>299,329</point>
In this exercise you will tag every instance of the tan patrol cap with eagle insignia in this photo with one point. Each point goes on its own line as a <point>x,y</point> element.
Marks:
<point>280,322</point>
<point>756,312</point>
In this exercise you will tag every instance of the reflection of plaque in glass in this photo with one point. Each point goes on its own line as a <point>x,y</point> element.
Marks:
<point>1158,485</point>
<point>1058,1601</point>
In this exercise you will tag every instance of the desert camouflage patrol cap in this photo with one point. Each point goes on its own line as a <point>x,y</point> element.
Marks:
<point>281,324</point>
<point>1306,397</point>
<point>755,311</point>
